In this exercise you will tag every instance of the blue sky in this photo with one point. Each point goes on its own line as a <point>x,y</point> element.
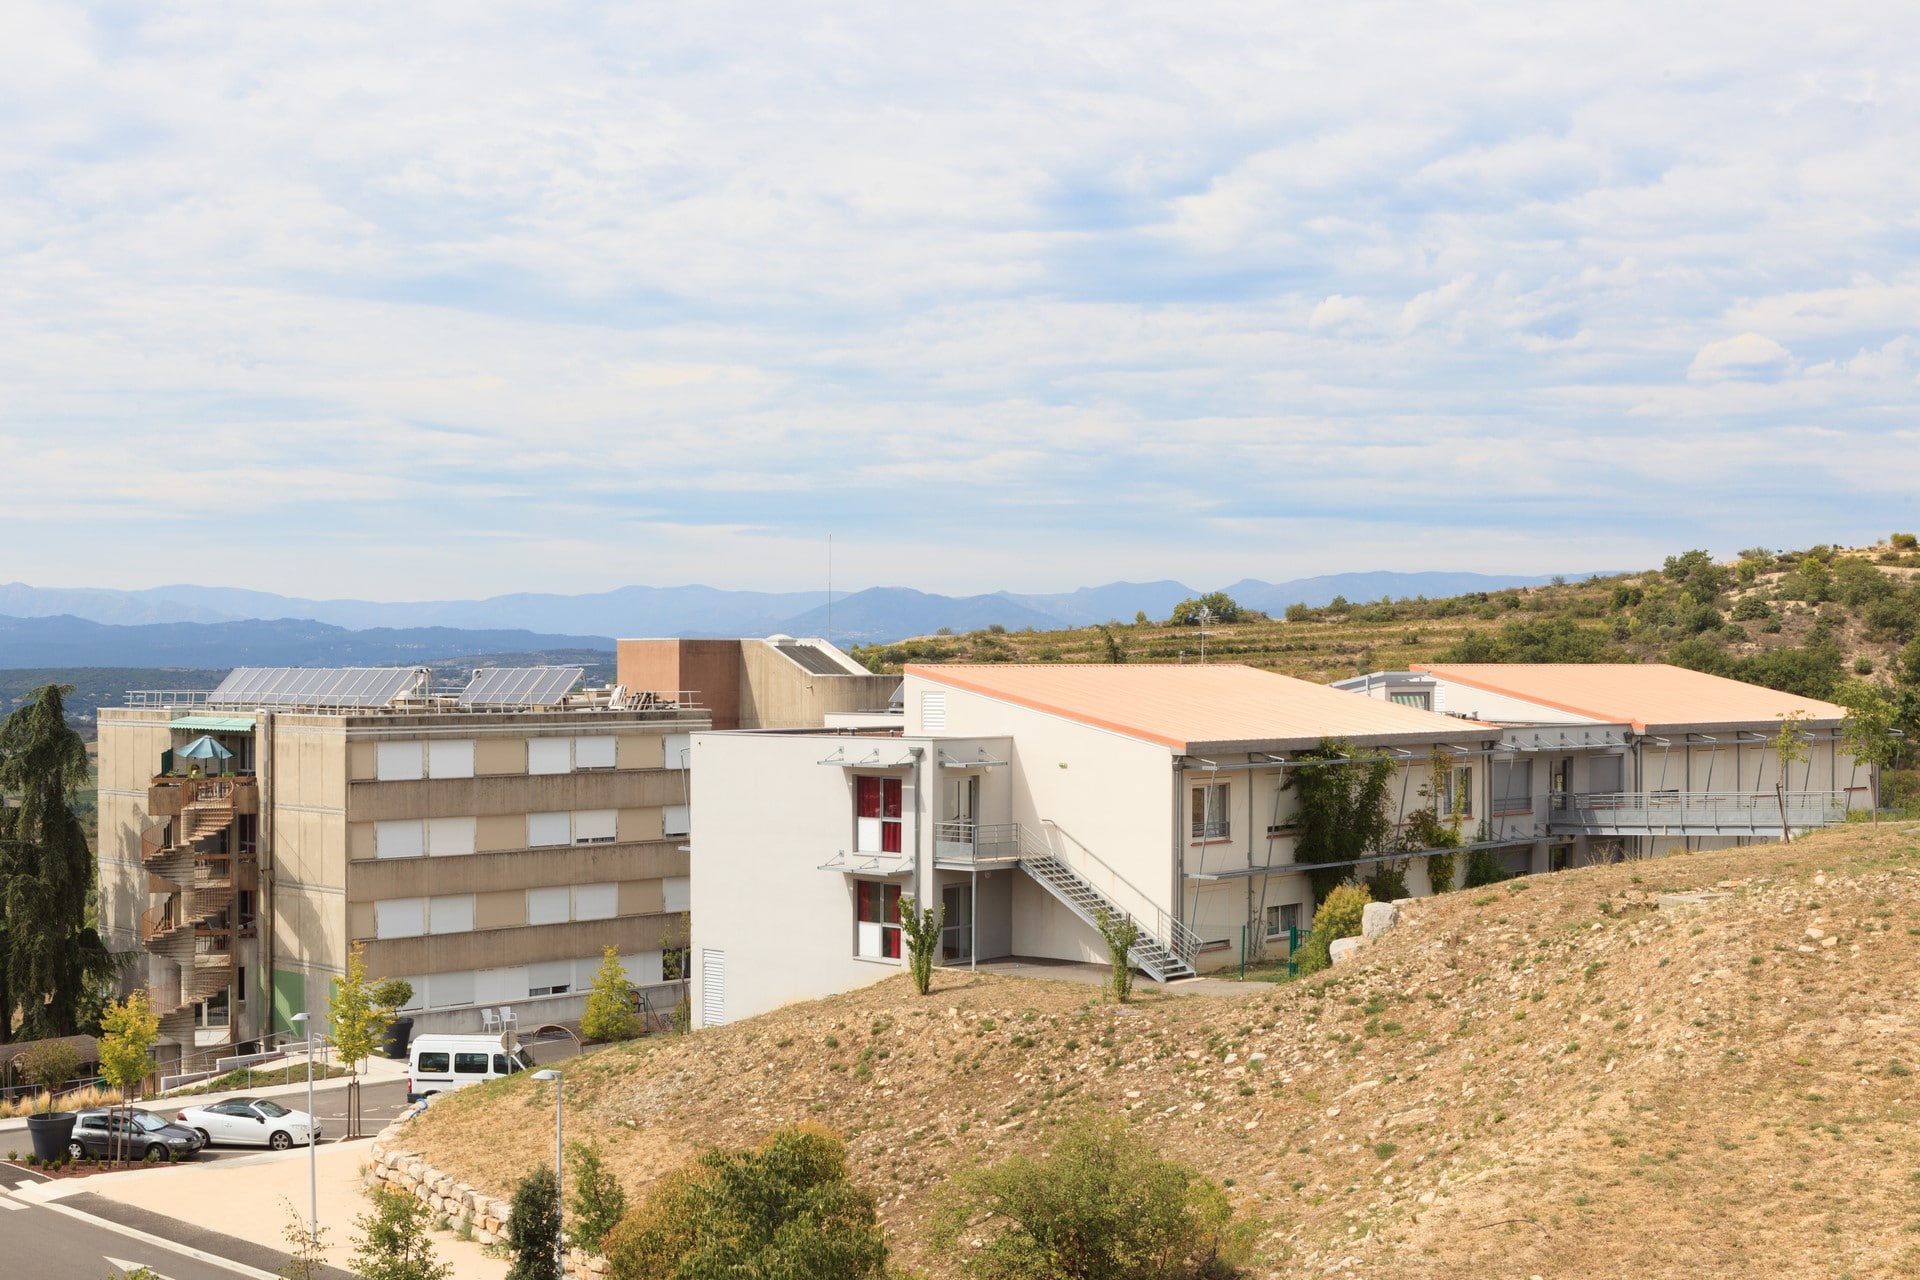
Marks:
<point>418,300</point>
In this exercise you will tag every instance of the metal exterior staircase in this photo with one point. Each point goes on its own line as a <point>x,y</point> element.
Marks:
<point>1165,949</point>
<point>192,862</point>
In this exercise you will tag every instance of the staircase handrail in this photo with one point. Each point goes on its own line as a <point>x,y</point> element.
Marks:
<point>1163,925</point>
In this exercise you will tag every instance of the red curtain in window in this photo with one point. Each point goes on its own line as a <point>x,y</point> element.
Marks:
<point>890,938</point>
<point>867,796</point>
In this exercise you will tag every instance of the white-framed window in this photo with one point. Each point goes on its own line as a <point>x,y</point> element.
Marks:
<point>550,978</point>
<point>674,819</point>
<point>595,901</point>
<point>544,830</point>
<point>595,826</point>
<point>1412,698</point>
<point>1210,821</point>
<point>403,839</point>
<point>400,918</point>
<point>447,837</point>
<point>876,913</point>
<point>676,893</point>
<point>399,761</point>
<point>550,904</point>
<point>594,753</point>
<point>450,759</point>
<point>1456,792</point>
<point>1282,918</point>
<point>449,990</point>
<point>450,914</point>
<point>549,755</point>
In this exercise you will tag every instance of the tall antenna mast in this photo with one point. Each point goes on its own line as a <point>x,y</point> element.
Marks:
<point>829,588</point>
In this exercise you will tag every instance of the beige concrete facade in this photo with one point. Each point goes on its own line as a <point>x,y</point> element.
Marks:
<point>484,856</point>
<point>756,684</point>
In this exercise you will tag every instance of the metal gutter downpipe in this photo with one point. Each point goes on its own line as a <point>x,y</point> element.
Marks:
<point>919,755</point>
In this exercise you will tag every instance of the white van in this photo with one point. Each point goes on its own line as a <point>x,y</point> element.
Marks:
<point>441,1063</point>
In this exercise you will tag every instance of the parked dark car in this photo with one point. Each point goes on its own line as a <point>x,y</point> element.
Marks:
<point>141,1134</point>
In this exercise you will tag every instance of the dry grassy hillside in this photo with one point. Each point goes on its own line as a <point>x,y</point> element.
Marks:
<point>1555,1077</point>
<point>1637,617</point>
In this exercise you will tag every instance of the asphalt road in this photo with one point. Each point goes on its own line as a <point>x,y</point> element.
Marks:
<point>77,1241</point>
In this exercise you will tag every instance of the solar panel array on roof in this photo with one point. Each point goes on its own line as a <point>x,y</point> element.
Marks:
<point>812,659</point>
<point>520,686</point>
<point>312,686</point>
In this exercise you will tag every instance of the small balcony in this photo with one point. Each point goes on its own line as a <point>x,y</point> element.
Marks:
<point>169,794</point>
<point>975,844</point>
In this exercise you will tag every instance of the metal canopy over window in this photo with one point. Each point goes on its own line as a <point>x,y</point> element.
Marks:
<point>213,724</point>
<point>869,864</point>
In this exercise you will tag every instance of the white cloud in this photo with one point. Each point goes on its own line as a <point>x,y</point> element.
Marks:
<point>1745,356</point>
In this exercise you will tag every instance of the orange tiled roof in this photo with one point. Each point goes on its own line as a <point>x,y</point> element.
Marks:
<point>1648,695</point>
<point>1192,707</point>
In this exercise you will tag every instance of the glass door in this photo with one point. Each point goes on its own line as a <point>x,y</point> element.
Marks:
<point>956,937</point>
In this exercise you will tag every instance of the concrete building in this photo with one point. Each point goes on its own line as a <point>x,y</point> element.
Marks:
<point>775,683</point>
<point>1600,761</point>
<point>1022,800</point>
<point>484,841</point>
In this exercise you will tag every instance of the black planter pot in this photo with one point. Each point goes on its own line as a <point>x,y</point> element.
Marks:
<point>51,1133</point>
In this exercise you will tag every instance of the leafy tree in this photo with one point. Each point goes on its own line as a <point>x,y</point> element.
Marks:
<point>1856,582</point>
<point>1121,934</point>
<point>1139,617</point>
<point>394,1243</point>
<point>1697,572</point>
<point>1111,646</point>
<point>1337,917</point>
<point>1388,882</point>
<point>598,1203</point>
<point>1220,607</point>
<point>1101,1205</point>
<point>1547,640</point>
<point>49,954</point>
<point>609,1013</point>
<point>129,1030</point>
<point>921,931</point>
<point>49,1064</point>
<point>783,1211</point>
<point>533,1225</point>
<point>1789,748</point>
<point>1343,812</point>
<point>1484,868</point>
<point>1867,733</point>
<point>356,1020</point>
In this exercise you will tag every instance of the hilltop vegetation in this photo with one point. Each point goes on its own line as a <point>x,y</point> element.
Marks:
<point>1560,1076</point>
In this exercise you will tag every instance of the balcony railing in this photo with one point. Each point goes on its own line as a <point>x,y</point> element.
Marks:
<point>1696,812</point>
<point>976,843</point>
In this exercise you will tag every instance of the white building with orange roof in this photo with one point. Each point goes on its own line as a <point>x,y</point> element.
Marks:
<point>1599,761</point>
<point>1022,800</point>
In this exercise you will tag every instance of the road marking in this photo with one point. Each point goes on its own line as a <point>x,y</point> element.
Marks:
<point>8,1202</point>
<point>128,1268</point>
<point>199,1255</point>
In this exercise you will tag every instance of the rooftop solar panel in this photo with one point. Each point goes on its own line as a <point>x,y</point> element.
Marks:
<point>813,660</point>
<point>520,686</point>
<point>312,686</point>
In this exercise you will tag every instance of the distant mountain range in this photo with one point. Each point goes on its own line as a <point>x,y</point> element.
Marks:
<point>193,626</point>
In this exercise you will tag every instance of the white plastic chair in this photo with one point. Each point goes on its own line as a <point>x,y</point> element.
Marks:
<point>490,1020</point>
<point>507,1021</point>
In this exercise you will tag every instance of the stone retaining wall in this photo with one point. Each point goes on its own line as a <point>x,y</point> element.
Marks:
<point>391,1165</point>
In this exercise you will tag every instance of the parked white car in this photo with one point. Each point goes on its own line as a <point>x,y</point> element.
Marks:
<point>251,1122</point>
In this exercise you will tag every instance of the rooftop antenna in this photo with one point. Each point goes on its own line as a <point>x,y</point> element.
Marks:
<point>829,588</point>
<point>1205,616</point>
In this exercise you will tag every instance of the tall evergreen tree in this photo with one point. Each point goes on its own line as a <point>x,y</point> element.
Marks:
<point>49,953</point>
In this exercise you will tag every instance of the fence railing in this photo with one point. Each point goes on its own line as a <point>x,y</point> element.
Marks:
<point>976,842</point>
<point>1704,812</point>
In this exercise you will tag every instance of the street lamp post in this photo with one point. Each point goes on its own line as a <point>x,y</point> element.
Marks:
<point>559,1176</point>
<point>313,1178</point>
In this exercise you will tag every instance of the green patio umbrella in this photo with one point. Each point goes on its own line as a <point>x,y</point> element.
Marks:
<point>203,748</point>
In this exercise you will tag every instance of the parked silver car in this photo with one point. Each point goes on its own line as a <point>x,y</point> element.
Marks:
<point>137,1135</point>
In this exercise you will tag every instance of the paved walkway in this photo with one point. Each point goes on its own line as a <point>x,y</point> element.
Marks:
<point>1097,975</point>
<point>256,1198</point>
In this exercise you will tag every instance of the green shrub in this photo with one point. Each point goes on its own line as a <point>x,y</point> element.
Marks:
<point>1905,542</point>
<point>394,1243</point>
<point>1337,917</point>
<point>1120,934</point>
<point>1484,868</point>
<point>1388,881</point>
<point>1102,1204</point>
<point>533,1223</point>
<point>609,1014</point>
<point>782,1210</point>
<point>598,1202</point>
